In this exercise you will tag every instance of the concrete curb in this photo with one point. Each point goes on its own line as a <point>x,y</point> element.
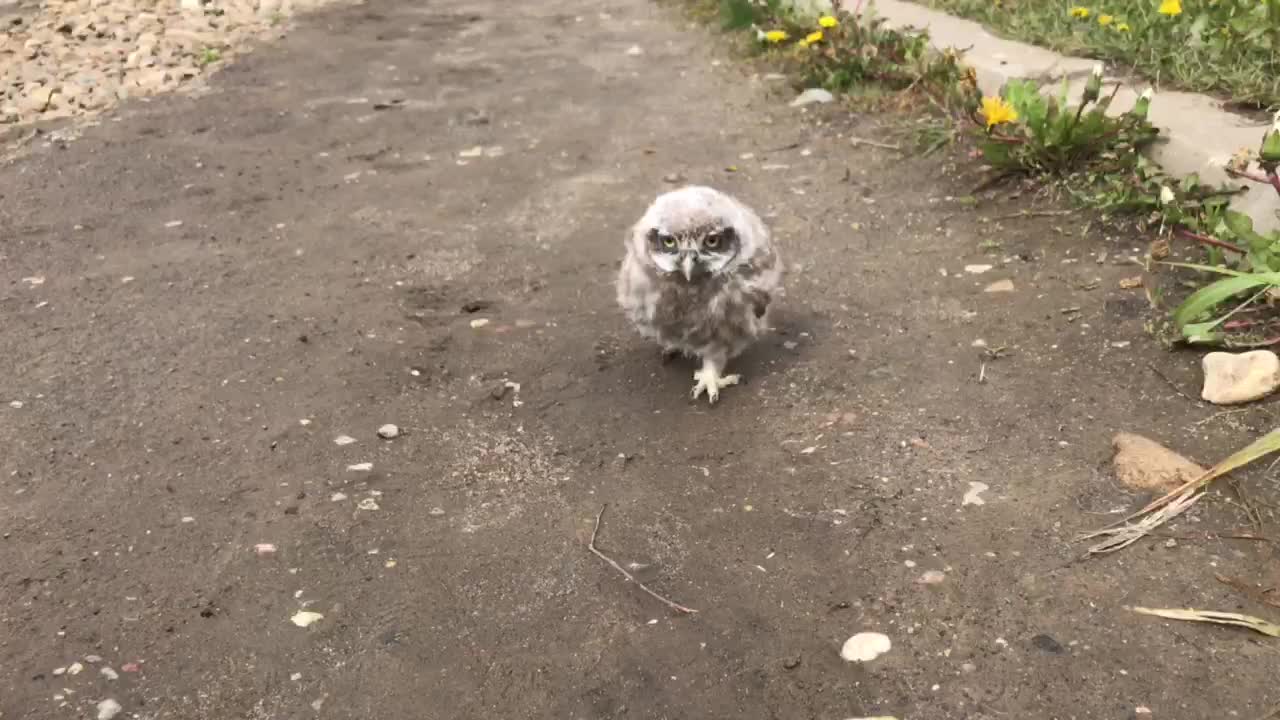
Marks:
<point>1200,136</point>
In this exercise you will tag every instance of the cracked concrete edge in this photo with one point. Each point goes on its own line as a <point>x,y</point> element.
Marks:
<point>1199,136</point>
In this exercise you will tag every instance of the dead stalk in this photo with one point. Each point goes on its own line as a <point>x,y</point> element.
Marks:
<point>592,547</point>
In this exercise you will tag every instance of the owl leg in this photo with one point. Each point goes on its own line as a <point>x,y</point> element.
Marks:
<point>711,379</point>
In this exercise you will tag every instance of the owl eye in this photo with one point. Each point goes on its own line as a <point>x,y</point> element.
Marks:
<point>668,241</point>
<point>712,241</point>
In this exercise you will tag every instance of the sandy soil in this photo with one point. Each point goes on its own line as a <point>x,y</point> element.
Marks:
<point>338,238</point>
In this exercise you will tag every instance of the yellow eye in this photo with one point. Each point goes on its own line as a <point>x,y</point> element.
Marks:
<point>668,241</point>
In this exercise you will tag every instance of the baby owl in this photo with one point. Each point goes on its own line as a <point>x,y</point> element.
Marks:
<point>697,278</point>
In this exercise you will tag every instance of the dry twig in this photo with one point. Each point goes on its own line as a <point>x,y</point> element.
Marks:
<point>1170,382</point>
<point>592,547</point>
<point>1033,214</point>
<point>863,141</point>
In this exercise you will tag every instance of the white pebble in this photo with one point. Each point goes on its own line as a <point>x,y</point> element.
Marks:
<point>337,497</point>
<point>865,647</point>
<point>343,440</point>
<point>388,431</point>
<point>368,504</point>
<point>75,669</point>
<point>479,322</point>
<point>974,495</point>
<point>109,673</point>
<point>304,618</point>
<point>108,709</point>
<point>361,467</point>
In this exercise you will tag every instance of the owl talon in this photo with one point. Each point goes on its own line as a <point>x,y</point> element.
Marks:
<point>712,382</point>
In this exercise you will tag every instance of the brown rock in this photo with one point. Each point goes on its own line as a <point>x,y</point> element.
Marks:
<point>38,99</point>
<point>1144,464</point>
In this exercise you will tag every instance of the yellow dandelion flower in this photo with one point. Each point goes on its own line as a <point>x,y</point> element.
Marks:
<point>1105,20</point>
<point>1080,12</point>
<point>997,111</point>
<point>1170,7</point>
<point>1122,27</point>
<point>828,21</point>
<point>813,37</point>
<point>776,36</point>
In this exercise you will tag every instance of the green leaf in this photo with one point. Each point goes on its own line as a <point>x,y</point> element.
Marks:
<point>1239,224</point>
<point>1214,294</point>
<point>1205,268</point>
<point>737,14</point>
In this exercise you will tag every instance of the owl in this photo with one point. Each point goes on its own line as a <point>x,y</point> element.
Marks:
<point>697,279</point>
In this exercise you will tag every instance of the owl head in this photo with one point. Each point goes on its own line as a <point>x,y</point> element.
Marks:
<point>697,233</point>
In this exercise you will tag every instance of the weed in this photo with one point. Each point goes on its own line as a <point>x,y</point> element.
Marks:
<point>209,56</point>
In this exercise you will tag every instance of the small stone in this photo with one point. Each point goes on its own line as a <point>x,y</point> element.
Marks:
<point>1047,644</point>
<point>865,647</point>
<point>265,549</point>
<point>436,511</point>
<point>1144,464</point>
<point>635,51</point>
<point>305,618</point>
<point>38,99</point>
<point>16,404</point>
<point>932,577</point>
<point>673,178</point>
<point>388,431</point>
<point>999,286</point>
<point>473,152</point>
<point>92,659</point>
<point>361,467</point>
<point>974,495</point>
<point>1131,283</point>
<point>343,440</point>
<point>968,667</point>
<point>108,709</point>
<point>75,668</point>
<point>792,662</point>
<point>479,322</point>
<point>811,96</point>
<point>337,497</point>
<point>976,269</point>
<point>368,504</point>
<point>108,673</point>
<point>1230,379</point>
<point>173,224</point>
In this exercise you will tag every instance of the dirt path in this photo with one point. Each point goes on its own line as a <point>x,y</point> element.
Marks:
<point>331,235</point>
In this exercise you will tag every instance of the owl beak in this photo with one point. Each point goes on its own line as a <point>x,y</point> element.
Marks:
<point>686,265</point>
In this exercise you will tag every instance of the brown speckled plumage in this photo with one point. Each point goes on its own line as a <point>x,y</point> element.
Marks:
<point>699,275</point>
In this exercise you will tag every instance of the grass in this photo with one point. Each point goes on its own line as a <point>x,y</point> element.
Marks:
<point>1230,48</point>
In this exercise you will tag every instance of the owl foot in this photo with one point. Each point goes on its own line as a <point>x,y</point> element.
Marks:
<point>712,382</point>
